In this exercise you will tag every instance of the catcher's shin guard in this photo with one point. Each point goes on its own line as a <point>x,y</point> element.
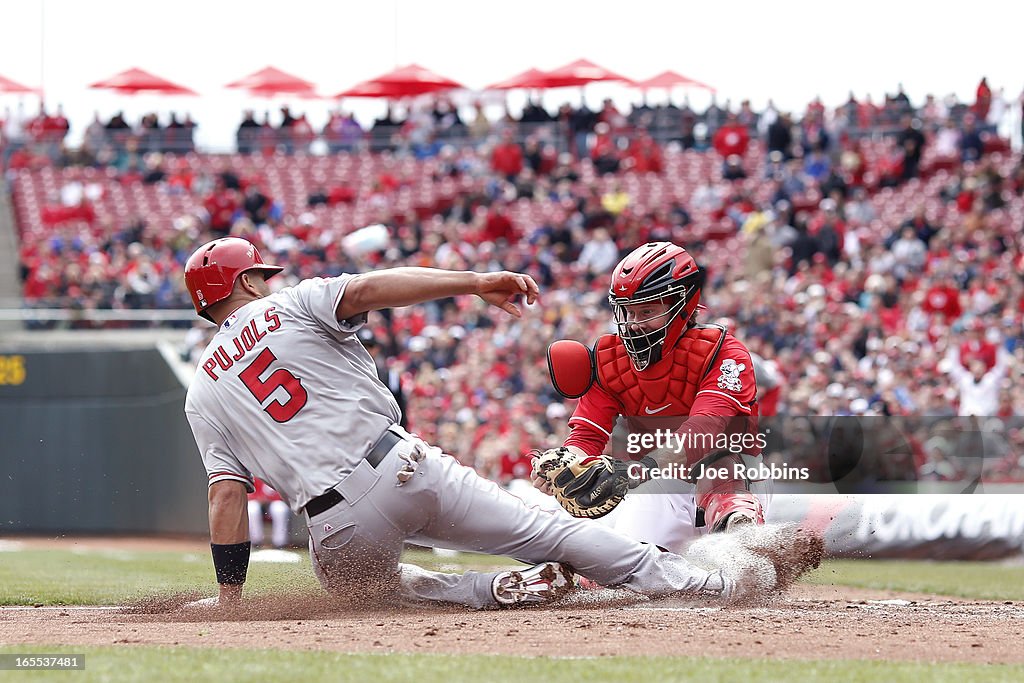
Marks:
<point>727,501</point>
<point>724,511</point>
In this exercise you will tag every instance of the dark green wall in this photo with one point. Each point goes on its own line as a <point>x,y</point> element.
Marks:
<point>97,442</point>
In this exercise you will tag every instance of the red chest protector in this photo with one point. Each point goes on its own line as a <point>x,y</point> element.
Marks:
<point>667,388</point>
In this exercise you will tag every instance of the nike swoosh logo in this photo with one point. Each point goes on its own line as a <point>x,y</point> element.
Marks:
<point>656,410</point>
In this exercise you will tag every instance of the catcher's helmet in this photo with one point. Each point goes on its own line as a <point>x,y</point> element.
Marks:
<point>211,270</point>
<point>656,272</point>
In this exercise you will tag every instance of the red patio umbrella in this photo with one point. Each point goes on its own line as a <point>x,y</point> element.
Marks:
<point>581,72</point>
<point>671,79</point>
<point>273,81</point>
<point>13,87</point>
<point>371,89</point>
<point>407,81</point>
<point>529,79</point>
<point>135,81</point>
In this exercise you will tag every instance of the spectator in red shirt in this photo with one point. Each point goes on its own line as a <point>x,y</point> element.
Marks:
<point>889,165</point>
<point>644,154</point>
<point>816,108</point>
<point>302,133</point>
<point>867,112</point>
<point>604,153</point>
<point>977,348</point>
<point>507,157</point>
<point>221,205</point>
<point>731,142</point>
<point>982,100</point>
<point>56,129</point>
<point>732,138</point>
<point>612,116</point>
<point>341,193</point>
<point>182,178</point>
<point>36,127</point>
<point>497,225</point>
<point>942,298</point>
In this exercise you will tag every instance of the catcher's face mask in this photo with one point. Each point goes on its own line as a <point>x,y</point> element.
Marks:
<point>643,323</point>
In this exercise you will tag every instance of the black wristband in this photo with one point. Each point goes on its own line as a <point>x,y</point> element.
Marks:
<point>231,561</point>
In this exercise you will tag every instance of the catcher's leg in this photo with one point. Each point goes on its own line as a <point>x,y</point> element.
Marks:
<point>729,502</point>
<point>656,514</point>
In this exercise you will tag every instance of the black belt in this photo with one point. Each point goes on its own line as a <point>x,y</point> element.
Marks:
<point>326,501</point>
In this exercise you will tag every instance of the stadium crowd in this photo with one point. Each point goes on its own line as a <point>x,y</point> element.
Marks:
<point>873,253</point>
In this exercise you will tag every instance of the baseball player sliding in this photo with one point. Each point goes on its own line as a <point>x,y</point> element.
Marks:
<point>661,367</point>
<point>286,392</point>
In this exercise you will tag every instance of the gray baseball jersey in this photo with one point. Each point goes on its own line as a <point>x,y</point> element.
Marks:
<point>287,393</point>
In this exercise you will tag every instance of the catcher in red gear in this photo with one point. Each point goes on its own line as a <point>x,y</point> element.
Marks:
<point>664,373</point>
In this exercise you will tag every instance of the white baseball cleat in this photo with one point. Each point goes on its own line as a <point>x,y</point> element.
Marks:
<point>544,583</point>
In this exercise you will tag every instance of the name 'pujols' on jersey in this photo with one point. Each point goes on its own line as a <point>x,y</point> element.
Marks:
<point>244,341</point>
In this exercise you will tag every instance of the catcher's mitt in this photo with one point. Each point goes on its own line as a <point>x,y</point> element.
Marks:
<point>585,485</point>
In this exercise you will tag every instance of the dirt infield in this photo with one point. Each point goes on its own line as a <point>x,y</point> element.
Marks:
<point>809,622</point>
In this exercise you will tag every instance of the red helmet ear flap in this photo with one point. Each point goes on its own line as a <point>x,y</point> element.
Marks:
<point>571,365</point>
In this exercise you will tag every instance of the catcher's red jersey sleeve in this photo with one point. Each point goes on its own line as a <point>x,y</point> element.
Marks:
<point>592,422</point>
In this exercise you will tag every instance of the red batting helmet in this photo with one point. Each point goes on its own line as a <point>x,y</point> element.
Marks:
<point>211,270</point>
<point>657,271</point>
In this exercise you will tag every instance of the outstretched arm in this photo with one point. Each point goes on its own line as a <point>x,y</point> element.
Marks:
<point>953,366</point>
<point>1003,360</point>
<point>410,285</point>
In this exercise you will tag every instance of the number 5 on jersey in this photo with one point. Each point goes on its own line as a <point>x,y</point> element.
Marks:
<point>280,378</point>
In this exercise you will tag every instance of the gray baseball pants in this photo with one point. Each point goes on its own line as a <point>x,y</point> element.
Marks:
<point>356,545</point>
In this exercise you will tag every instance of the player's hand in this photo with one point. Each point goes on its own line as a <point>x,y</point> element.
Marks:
<point>410,462</point>
<point>538,481</point>
<point>497,289</point>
